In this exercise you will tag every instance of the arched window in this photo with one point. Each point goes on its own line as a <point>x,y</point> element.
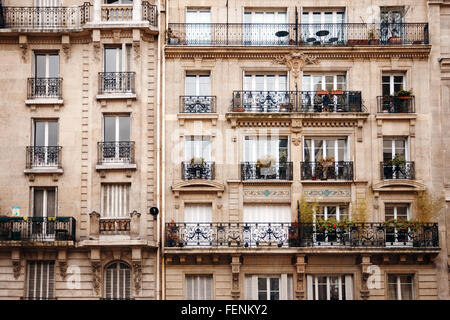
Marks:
<point>117,281</point>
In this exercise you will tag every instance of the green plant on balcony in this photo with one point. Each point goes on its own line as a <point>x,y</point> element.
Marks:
<point>327,167</point>
<point>398,161</point>
<point>428,206</point>
<point>197,161</point>
<point>332,225</point>
<point>403,94</point>
<point>172,234</point>
<point>403,225</point>
<point>265,162</point>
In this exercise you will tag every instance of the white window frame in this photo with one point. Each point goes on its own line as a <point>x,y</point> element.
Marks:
<point>47,62</point>
<point>198,85</point>
<point>204,280</point>
<point>122,194</point>
<point>391,81</point>
<point>49,268</point>
<point>265,75</point>
<point>285,286</point>
<point>201,147</point>
<point>199,215</point>
<point>323,82</point>
<point>322,12</point>
<point>398,285</point>
<point>122,291</point>
<point>394,139</point>
<point>313,286</point>
<point>200,34</point>
<point>324,147</point>
<point>338,211</point>
<point>252,145</point>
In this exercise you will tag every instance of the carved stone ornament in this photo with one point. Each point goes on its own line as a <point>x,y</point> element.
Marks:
<point>137,50</point>
<point>66,50</point>
<point>17,266</point>
<point>137,276</point>
<point>62,269</point>
<point>96,272</point>
<point>97,51</point>
<point>295,62</point>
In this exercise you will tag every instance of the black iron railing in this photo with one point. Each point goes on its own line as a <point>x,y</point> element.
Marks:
<point>116,152</point>
<point>235,234</point>
<point>37,228</point>
<point>397,171</point>
<point>297,101</point>
<point>338,170</point>
<point>44,88</point>
<point>116,82</point>
<point>205,170</point>
<point>276,171</point>
<point>150,13</point>
<point>197,104</point>
<point>46,18</point>
<point>291,34</point>
<point>43,157</point>
<point>396,104</point>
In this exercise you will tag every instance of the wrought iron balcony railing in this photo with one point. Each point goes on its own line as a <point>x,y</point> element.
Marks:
<point>116,82</point>
<point>339,170</point>
<point>43,157</point>
<point>297,101</point>
<point>396,104</point>
<point>401,171</point>
<point>45,88</point>
<point>37,228</point>
<point>235,234</point>
<point>114,226</point>
<point>121,13</point>
<point>276,171</point>
<point>291,34</point>
<point>117,152</point>
<point>197,104</point>
<point>45,18</point>
<point>205,170</point>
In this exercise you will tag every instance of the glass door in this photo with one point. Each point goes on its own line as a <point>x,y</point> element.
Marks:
<point>45,147</point>
<point>116,135</point>
<point>391,28</point>
<point>198,27</point>
<point>44,207</point>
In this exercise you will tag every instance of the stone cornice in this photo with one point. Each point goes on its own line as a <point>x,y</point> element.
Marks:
<point>398,185</point>
<point>324,53</point>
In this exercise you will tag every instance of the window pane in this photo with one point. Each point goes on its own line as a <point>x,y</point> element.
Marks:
<point>124,128</point>
<point>40,67</point>
<point>52,133</point>
<point>387,150</point>
<point>38,203</point>
<point>322,288</point>
<point>53,66</point>
<point>39,133</point>
<point>389,212</point>
<point>274,289</point>
<point>262,289</point>
<point>334,288</point>
<point>204,83</point>
<point>51,203</point>
<point>191,88</point>
<point>111,59</point>
<point>402,212</point>
<point>318,149</point>
<point>307,150</point>
<point>110,129</point>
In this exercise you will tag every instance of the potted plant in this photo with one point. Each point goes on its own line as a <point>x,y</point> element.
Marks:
<point>371,34</point>
<point>403,94</point>
<point>398,161</point>
<point>265,162</point>
<point>337,92</point>
<point>172,234</point>
<point>322,92</point>
<point>325,164</point>
<point>197,161</point>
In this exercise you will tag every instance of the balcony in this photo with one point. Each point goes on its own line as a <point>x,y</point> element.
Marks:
<point>296,101</point>
<point>124,13</point>
<point>41,157</point>
<point>115,226</point>
<point>116,155</point>
<point>276,171</point>
<point>291,34</point>
<point>284,235</point>
<point>197,104</point>
<point>119,84</point>
<point>391,171</point>
<point>45,88</point>
<point>339,170</point>
<point>37,229</point>
<point>204,170</point>
<point>45,18</point>
<point>396,104</point>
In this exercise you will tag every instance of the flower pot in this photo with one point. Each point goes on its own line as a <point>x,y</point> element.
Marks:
<point>403,97</point>
<point>238,110</point>
<point>337,92</point>
<point>395,40</point>
<point>322,92</point>
<point>374,42</point>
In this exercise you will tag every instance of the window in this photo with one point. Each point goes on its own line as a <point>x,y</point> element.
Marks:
<point>118,1</point>
<point>269,287</point>
<point>261,26</point>
<point>392,83</point>
<point>393,147</point>
<point>117,76</point>
<point>317,82</point>
<point>199,287</point>
<point>399,212</point>
<point>198,85</point>
<point>265,82</point>
<point>115,200</point>
<point>391,19</point>
<point>44,205</point>
<point>40,280</point>
<point>256,147</point>
<point>314,99</point>
<point>197,147</point>
<point>337,212</point>
<point>116,139</point>
<point>198,219</point>
<point>331,287</point>
<point>46,75</point>
<point>198,28</point>
<point>117,281</point>
<point>315,149</point>
<point>45,149</point>
<point>400,287</point>
<point>46,18</point>
<point>330,21</point>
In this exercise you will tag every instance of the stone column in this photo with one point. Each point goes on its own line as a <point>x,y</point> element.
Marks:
<point>300,265</point>
<point>235,274</point>
<point>137,10</point>
<point>365,263</point>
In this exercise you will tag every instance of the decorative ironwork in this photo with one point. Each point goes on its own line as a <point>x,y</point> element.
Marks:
<point>291,34</point>
<point>396,104</point>
<point>205,170</point>
<point>296,101</point>
<point>150,13</point>
<point>339,170</point>
<point>44,88</point>
<point>404,171</point>
<point>197,104</point>
<point>277,171</point>
<point>40,156</point>
<point>235,234</point>
<point>116,152</point>
<point>116,82</point>
<point>37,228</point>
<point>46,18</point>
<point>114,226</point>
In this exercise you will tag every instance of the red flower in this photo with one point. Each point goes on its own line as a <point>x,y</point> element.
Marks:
<point>334,226</point>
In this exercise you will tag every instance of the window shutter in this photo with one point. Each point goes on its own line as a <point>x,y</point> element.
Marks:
<point>51,279</point>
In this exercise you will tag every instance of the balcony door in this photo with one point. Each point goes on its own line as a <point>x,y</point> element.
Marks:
<point>197,158</point>
<point>45,149</point>
<point>198,27</point>
<point>396,158</point>
<point>46,13</point>
<point>329,287</point>
<point>265,92</point>
<point>325,27</point>
<point>266,27</point>
<point>392,24</point>
<point>266,224</point>
<point>326,212</point>
<point>117,67</point>
<point>44,207</point>
<point>198,219</point>
<point>198,92</point>
<point>269,287</point>
<point>116,139</point>
<point>396,236</point>
<point>46,75</point>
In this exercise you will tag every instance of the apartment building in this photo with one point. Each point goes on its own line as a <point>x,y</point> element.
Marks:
<point>269,107</point>
<point>78,136</point>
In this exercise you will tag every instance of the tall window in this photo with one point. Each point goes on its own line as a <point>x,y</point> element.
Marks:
<point>198,84</point>
<point>391,19</point>
<point>116,138</point>
<point>330,21</point>
<point>337,212</point>
<point>265,27</point>
<point>330,287</point>
<point>118,281</point>
<point>257,148</point>
<point>392,83</point>
<point>115,200</point>
<point>199,287</point>
<point>317,82</point>
<point>197,147</point>
<point>269,287</point>
<point>198,219</point>
<point>393,147</point>
<point>400,287</point>
<point>398,212</point>
<point>315,149</point>
<point>45,149</point>
<point>198,28</point>
<point>44,202</point>
<point>40,280</point>
<point>265,82</point>
<point>117,69</point>
<point>46,75</point>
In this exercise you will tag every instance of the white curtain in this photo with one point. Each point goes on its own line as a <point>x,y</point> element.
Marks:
<point>285,285</point>
<point>259,147</point>
<point>267,213</point>
<point>198,213</point>
<point>199,287</point>
<point>47,3</point>
<point>197,146</point>
<point>115,200</point>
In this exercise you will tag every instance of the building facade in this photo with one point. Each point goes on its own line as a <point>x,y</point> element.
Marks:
<point>79,103</point>
<point>290,149</point>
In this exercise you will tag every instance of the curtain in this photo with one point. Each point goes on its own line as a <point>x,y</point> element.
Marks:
<point>115,200</point>
<point>199,287</point>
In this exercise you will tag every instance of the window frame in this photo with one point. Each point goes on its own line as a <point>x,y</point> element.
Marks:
<point>120,290</point>
<point>398,285</point>
<point>126,207</point>
<point>198,85</point>
<point>50,279</point>
<point>324,147</point>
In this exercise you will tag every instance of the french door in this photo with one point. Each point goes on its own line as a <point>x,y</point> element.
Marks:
<point>117,68</point>
<point>198,27</point>
<point>198,224</point>
<point>329,287</point>
<point>269,287</point>
<point>317,88</point>
<point>331,23</point>
<point>44,207</point>
<point>116,136</point>
<point>47,14</point>
<point>46,75</point>
<point>265,28</point>
<point>45,149</point>
<point>265,92</point>
<point>392,23</point>
<point>335,212</point>
<point>118,281</point>
<point>394,236</point>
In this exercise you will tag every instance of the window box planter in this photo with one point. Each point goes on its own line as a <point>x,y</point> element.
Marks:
<point>395,40</point>
<point>238,109</point>
<point>322,92</point>
<point>337,92</point>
